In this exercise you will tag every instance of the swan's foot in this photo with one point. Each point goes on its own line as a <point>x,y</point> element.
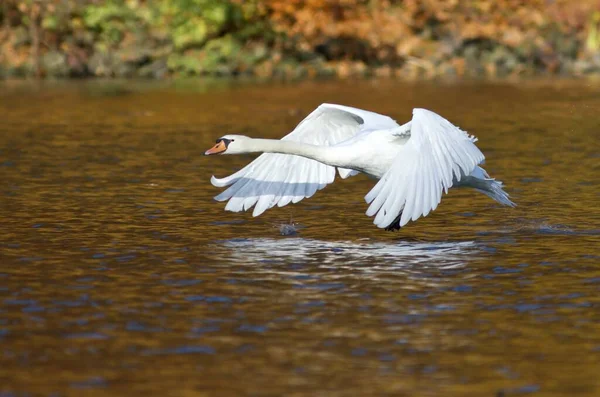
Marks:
<point>288,230</point>
<point>395,225</point>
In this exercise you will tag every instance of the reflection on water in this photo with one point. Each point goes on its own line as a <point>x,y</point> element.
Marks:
<point>364,255</point>
<point>119,275</point>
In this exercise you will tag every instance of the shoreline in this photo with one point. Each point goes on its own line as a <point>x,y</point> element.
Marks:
<point>191,85</point>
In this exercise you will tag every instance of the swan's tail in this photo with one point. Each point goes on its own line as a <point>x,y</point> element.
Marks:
<point>481,181</point>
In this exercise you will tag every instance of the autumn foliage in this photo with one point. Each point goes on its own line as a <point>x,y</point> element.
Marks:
<point>299,38</point>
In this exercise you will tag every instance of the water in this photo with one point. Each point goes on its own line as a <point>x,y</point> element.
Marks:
<point>120,276</point>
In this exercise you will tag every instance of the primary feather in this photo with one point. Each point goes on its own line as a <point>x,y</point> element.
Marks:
<point>436,154</point>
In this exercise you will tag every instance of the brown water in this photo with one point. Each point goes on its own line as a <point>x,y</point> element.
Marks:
<point>120,276</point>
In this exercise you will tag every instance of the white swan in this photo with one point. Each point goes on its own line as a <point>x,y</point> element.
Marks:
<point>414,163</point>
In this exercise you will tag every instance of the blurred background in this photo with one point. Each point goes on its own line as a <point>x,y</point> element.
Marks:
<point>299,38</point>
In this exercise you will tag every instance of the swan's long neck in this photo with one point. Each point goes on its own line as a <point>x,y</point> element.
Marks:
<point>323,154</point>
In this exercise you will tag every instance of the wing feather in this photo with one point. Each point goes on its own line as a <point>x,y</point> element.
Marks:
<point>435,156</point>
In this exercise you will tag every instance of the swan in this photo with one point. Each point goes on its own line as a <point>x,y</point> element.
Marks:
<point>415,163</point>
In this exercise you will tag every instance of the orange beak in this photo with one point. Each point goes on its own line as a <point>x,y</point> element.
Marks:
<point>220,147</point>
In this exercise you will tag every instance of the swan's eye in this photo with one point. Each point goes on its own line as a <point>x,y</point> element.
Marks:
<point>233,140</point>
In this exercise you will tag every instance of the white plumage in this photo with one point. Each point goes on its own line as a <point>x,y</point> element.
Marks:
<point>414,163</point>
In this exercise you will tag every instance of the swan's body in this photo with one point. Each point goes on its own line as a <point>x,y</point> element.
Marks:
<point>414,163</point>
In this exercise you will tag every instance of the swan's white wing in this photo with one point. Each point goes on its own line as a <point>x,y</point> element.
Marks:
<point>436,155</point>
<point>278,179</point>
<point>370,120</point>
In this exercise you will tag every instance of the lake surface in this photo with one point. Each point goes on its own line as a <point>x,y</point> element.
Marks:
<point>119,275</point>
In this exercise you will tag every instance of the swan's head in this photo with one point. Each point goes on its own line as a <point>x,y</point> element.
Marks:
<point>229,144</point>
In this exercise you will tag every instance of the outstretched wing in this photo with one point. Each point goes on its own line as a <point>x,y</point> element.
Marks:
<point>279,179</point>
<point>436,155</point>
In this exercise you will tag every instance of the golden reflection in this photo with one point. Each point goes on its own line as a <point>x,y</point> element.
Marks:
<point>120,275</point>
